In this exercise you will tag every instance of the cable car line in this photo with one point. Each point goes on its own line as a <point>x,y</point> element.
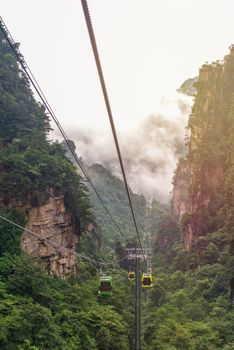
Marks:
<point>100,263</point>
<point>108,107</point>
<point>37,88</point>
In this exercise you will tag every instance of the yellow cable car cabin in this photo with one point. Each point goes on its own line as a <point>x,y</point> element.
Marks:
<point>131,275</point>
<point>147,280</point>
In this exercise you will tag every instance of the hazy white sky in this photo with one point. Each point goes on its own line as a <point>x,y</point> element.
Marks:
<point>147,48</point>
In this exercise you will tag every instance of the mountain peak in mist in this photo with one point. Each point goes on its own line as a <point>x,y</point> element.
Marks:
<point>188,87</point>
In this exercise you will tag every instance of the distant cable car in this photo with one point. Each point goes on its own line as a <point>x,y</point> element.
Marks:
<point>105,289</point>
<point>131,275</point>
<point>147,280</point>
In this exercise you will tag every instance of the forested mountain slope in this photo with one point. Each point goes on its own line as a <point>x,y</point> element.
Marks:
<point>36,179</point>
<point>41,189</point>
<point>113,193</point>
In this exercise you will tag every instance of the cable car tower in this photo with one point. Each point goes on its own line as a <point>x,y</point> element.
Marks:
<point>138,255</point>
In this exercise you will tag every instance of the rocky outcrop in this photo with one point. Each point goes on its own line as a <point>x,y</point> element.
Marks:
<point>206,155</point>
<point>47,217</point>
<point>51,221</point>
<point>179,204</point>
<point>188,87</point>
<point>208,130</point>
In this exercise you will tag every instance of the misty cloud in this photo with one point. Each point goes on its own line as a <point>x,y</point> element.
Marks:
<point>150,151</point>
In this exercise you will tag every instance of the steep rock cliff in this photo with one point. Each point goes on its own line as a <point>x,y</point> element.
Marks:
<point>179,204</point>
<point>50,220</point>
<point>209,129</point>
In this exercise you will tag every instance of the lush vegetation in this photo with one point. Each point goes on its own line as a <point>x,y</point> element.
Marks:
<point>39,311</point>
<point>114,196</point>
<point>189,308</point>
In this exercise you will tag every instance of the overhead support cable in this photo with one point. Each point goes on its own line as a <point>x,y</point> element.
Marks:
<point>99,263</point>
<point>108,107</point>
<point>45,102</point>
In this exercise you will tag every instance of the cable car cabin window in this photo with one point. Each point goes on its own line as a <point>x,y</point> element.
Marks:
<point>147,281</point>
<point>105,285</point>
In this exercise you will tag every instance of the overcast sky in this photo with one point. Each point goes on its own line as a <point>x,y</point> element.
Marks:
<point>147,48</point>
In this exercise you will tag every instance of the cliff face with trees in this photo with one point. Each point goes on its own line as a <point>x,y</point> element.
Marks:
<point>41,190</point>
<point>209,160</point>
<point>36,179</point>
<point>191,305</point>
